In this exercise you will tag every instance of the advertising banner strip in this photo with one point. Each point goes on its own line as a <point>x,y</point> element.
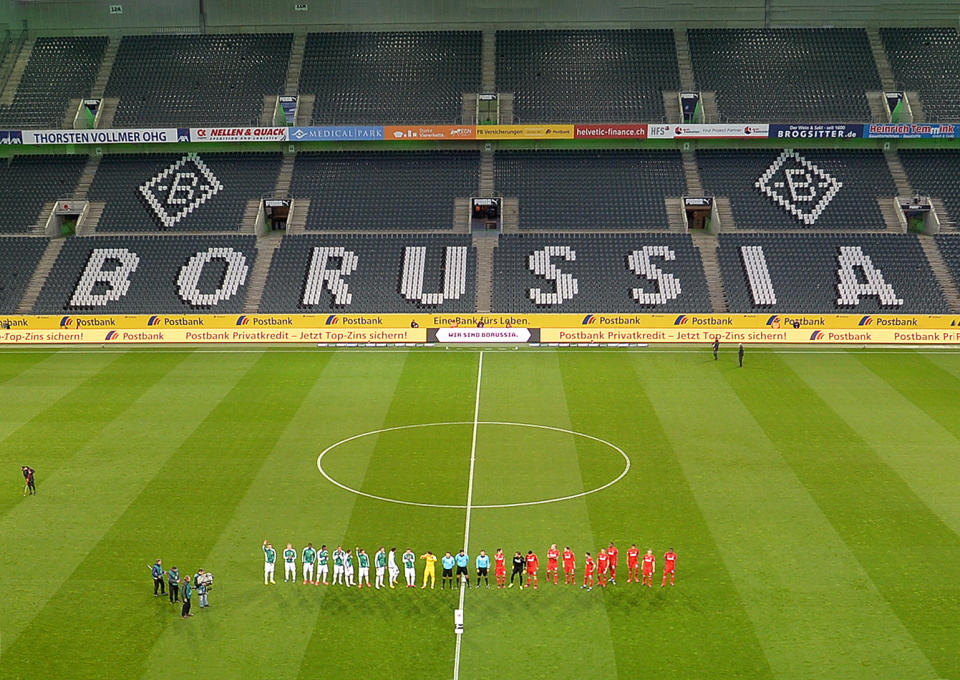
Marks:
<point>336,133</point>
<point>557,131</point>
<point>709,131</point>
<point>107,136</point>
<point>479,321</point>
<point>393,132</point>
<point>214,335</point>
<point>850,336</point>
<point>912,130</point>
<point>637,131</point>
<point>816,131</point>
<point>239,134</point>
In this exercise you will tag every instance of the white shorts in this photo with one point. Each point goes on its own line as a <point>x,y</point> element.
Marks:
<point>323,568</point>
<point>268,567</point>
<point>308,567</point>
<point>394,571</point>
<point>365,572</point>
<point>337,569</point>
<point>380,571</point>
<point>409,572</point>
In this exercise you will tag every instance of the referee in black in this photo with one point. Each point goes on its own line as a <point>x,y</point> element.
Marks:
<point>30,480</point>
<point>518,566</point>
<point>740,355</point>
<point>716,347</point>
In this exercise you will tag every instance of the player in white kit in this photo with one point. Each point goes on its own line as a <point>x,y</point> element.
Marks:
<point>392,567</point>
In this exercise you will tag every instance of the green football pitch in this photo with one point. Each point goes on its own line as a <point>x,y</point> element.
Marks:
<point>813,498</point>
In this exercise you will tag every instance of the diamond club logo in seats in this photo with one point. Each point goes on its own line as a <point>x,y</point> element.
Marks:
<point>179,189</point>
<point>798,186</point>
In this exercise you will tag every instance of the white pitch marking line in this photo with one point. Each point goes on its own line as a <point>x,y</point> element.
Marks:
<point>466,526</point>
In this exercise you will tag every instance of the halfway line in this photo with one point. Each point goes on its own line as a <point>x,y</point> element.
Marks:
<point>466,527</point>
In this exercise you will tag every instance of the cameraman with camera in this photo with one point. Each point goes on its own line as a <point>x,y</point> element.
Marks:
<point>202,582</point>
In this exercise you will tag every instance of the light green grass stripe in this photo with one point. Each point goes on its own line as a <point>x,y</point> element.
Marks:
<point>655,508</point>
<point>402,632</point>
<point>90,491</point>
<point>882,519</point>
<point>559,631</point>
<point>901,406</point>
<point>12,365</point>
<point>292,506</point>
<point>812,604</point>
<point>78,401</point>
<point>185,507</point>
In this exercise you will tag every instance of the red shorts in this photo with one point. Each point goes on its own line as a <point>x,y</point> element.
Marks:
<point>647,571</point>
<point>501,572</point>
<point>531,572</point>
<point>633,565</point>
<point>669,570</point>
<point>552,565</point>
<point>588,573</point>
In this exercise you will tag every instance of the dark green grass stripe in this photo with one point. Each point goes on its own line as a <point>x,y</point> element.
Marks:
<point>69,423</point>
<point>12,365</point>
<point>921,381</point>
<point>192,498</point>
<point>405,633</point>
<point>655,507</point>
<point>910,554</point>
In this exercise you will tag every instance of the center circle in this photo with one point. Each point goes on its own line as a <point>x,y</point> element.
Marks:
<point>345,487</point>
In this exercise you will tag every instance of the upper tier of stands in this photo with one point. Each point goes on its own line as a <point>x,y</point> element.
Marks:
<point>587,75</point>
<point>211,79</point>
<point>621,189</point>
<point>927,60</point>
<point>372,273</point>
<point>786,74</point>
<point>598,273</point>
<point>29,182</point>
<point>149,274</point>
<point>384,190</point>
<point>395,77</point>
<point>809,188</point>
<point>188,192</point>
<point>805,274</point>
<point>19,256</point>
<point>59,69</point>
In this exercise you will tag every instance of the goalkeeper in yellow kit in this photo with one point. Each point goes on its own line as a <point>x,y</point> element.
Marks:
<point>429,570</point>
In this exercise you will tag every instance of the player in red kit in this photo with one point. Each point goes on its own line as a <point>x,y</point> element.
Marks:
<point>587,572</point>
<point>669,566</point>
<point>501,568</point>
<point>569,566</point>
<point>649,566</point>
<point>603,564</point>
<point>614,556</point>
<point>532,565</point>
<point>633,564</point>
<point>552,556</point>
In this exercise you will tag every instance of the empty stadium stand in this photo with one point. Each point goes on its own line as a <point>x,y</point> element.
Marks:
<point>384,190</point>
<point>587,75</point>
<point>949,246</point>
<point>372,273</point>
<point>28,183</point>
<point>19,256</point>
<point>390,77</point>
<point>211,79</point>
<point>828,273</point>
<point>786,74</point>
<point>935,172</point>
<point>149,274</point>
<point>927,60</point>
<point>598,273</point>
<point>802,189</point>
<point>601,190</point>
<point>185,192</point>
<point>59,69</point>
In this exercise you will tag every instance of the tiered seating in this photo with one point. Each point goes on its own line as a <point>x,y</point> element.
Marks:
<point>598,273</point>
<point>19,256</point>
<point>824,273</point>
<point>384,190</point>
<point>949,245</point>
<point>28,182</point>
<point>622,189</point>
<point>822,189</point>
<point>786,74</point>
<point>186,192</point>
<point>149,274</point>
<point>212,79</point>
<point>927,60</point>
<point>59,69</point>
<point>935,172</point>
<point>587,76</point>
<point>396,77</point>
<point>372,273</point>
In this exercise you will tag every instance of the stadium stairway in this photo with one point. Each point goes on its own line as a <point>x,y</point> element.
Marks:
<point>707,245</point>
<point>891,217</point>
<point>488,61</point>
<point>106,66</point>
<point>285,176</point>
<point>297,219</point>
<point>70,113</point>
<point>305,109</point>
<point>461,216</point>
<point>266,248</point>
<point>485,245</point>
<point>692,173</point>
<point>946,219</point>
<point>39,228</point>
<point>725,213</point>
<point>292,84</point>
<point>86,177</point>
<point>510,218</point>
<point>671,106</point>
<point>940,269</point>
<point>486,173</point>
<point>109,112</point>
<point>88,226</point>
<point>674,208</point>
<point>9,57</point>
<point>16,74</point>
<point>878,114</point>
<point>248,224</point>
<point>684,62</point>
<point>887,81</point>
<point>916,106</point>
<point>898,172</point>
<point>39,276</point>
<point>506,108</point>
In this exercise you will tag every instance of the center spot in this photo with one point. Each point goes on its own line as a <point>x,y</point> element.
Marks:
<point>517,464</point>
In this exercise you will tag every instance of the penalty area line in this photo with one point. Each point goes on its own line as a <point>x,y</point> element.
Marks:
<point>466,525</point>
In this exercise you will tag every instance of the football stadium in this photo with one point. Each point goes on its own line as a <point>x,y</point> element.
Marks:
<point>547,339</point>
